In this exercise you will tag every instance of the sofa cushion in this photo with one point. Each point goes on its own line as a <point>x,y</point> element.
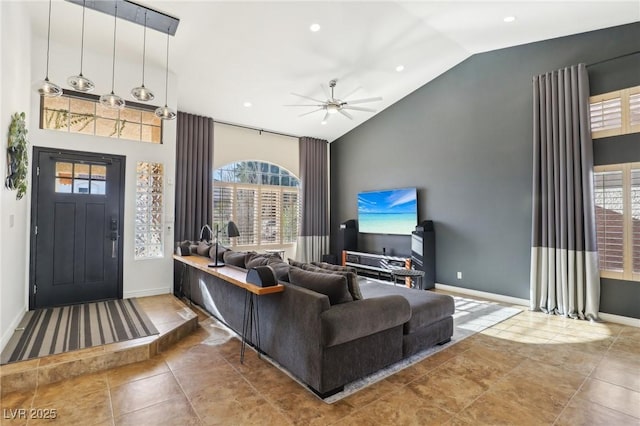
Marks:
<point>352,278</point>
<point>332,267</point>
<point>332,285</point>
<point>426,307</point>
<point>280,267</point>
<point>234,258</point>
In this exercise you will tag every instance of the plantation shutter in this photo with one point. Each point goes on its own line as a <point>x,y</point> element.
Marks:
<point>269,216</point>
<point>222,208</point>
<point>606,116</point>
<point>290,216</point>
<point>246,215</point>
<point>634,112</point>
<point>609,219</point>
<point>635,219</point>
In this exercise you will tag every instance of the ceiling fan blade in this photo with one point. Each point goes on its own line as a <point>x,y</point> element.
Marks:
<point>325,90</point>
<point>307,97</point>
<point>358,108</point>
<point>361,101</point>
<point>310,112</point>
<point>306,105</point>
<point>326,117</point>
<point>351,92</point>
<point>345,113</point>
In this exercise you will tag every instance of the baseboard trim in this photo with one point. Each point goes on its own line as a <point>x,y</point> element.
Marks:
<point>149,292</point>
<point>12,327</point>
<point>486,295</point>
<point>619,319</point>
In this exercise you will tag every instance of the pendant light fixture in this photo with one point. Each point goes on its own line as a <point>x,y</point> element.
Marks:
<point>45,87</point>
<point>141,93</point>
<point>112,100</point>
<point>165,112</point>
<point>80,82</point>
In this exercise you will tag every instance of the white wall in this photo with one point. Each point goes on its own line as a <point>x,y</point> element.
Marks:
<point>15,72</point>
<point>140,277</point>
<point>233,143</point>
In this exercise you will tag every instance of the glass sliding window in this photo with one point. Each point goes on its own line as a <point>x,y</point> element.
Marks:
<point>82,113</point>
<point>149,242</point>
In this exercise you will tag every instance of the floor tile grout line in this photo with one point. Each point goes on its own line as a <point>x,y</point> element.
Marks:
<point>185,395</point>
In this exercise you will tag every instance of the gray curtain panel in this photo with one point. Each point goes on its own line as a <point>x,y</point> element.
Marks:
<point>313,238</point>
<point>565,279</point>
<point>194,162</point>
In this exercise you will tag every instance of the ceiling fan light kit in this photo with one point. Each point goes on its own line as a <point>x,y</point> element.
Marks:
<point>335,105</point>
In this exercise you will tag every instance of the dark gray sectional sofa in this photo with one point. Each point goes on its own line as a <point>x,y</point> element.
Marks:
<point>327,346</point>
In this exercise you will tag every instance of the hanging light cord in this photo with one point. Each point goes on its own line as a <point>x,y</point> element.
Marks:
<point>166,78</point>
<point>113,68</point>
<point>144,45</point>
<point>48,41</point>
<point>84,2</point>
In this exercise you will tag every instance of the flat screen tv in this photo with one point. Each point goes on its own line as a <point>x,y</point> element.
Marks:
<point>393,211</point>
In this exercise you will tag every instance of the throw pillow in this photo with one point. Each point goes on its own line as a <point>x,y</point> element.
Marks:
<point>332,285</point>
<point>352,279</point>
<point>332,267</point>
<point>257,260</point>
<point>234,258</point>
<point>221,250</point>
<point>280,267</point>
<point>203,248</point>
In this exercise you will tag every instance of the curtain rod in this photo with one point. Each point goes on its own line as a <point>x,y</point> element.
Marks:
<point>614,58</point>
<point>256,129</point>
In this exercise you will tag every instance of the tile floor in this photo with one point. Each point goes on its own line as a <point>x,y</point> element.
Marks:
<point>531,369</point>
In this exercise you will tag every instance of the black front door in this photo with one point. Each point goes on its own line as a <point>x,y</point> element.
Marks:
<point>76,227</point>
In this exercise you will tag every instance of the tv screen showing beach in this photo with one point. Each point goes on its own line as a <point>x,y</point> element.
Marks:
<point>388,212</point>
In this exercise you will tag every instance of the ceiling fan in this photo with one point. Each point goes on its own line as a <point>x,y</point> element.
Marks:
<point>334,105</point>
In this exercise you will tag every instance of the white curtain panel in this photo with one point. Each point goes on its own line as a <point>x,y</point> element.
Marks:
<point>565,279</point>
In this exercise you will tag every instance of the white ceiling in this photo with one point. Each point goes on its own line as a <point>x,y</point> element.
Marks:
<point>227,53</point>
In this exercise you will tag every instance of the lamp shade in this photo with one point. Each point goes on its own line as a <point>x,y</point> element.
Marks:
<point>232,230</point>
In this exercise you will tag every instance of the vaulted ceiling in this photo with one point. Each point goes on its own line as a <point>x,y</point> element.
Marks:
<point>226,54</point>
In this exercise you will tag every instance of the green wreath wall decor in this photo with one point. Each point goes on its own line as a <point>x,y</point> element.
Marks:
<point>17,155</point>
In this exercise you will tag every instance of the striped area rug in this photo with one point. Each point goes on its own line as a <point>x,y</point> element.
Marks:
<point>56,330</point>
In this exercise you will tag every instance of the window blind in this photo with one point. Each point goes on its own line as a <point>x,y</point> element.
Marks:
<point>635,219</point>
<point>609,219</point>
<point>606,114</point>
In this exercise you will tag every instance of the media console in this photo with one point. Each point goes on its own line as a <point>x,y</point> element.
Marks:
<point>374,264</point>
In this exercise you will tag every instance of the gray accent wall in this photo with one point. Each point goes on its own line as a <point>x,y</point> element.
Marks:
<point>465,141</point>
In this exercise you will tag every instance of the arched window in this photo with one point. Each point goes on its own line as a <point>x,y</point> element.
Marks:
<point>261,198</point>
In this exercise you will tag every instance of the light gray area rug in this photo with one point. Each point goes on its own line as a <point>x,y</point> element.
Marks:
<point>470,317</point>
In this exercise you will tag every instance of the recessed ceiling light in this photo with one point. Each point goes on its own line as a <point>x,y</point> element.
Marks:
<point>323,122</point>
<point>400,68</point>
<point>314,28</point>
<point>247,104</point>
<point>509,18</point>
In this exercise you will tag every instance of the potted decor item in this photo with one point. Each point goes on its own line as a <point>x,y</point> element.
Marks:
<point>17,155</point>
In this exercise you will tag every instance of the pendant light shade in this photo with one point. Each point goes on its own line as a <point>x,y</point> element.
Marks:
<point>165,112</point>
<point>112,100</point>
<point>141,93</point>
<point>46,87</point>
<point>80,82</point>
